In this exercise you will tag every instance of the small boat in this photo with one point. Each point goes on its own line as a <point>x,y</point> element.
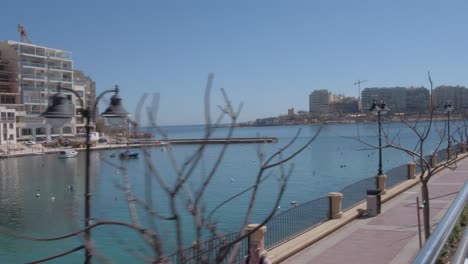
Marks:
<point>128,154</point>
<point>69,153</point>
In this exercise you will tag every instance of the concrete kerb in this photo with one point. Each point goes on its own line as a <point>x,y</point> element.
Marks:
<point>300,242</point>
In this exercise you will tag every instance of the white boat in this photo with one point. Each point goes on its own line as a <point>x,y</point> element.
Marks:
<point>69,153</point>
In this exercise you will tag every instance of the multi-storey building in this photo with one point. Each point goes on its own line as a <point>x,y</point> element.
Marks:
<point>7,125</point>
<point>417,100</point>
<point>395,98</point>
<point>344,105</point>
<point>38,72</point>
<point>319,101</point>
<point>86,88</point>
<point>456,95</point>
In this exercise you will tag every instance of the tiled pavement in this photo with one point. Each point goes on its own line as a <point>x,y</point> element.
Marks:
<point>392,236</point>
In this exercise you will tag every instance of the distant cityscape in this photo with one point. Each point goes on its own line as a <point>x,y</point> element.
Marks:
<point>30,74</point>
<point>325,106</point>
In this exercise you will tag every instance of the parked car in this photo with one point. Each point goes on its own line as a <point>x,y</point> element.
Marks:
<point>102,140</point>
<point>50,143</point>
<point>29,143</point>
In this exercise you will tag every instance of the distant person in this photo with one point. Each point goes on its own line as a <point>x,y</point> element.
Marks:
<point>256,256</point>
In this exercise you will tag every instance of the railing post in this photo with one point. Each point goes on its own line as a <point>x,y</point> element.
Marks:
<point>411,170</point>
<point>449,153</point>
<point>462,148</point>
<point>434,160</point>
<point>257,238</point>
<point>335,205</point>
<point>382,183</point>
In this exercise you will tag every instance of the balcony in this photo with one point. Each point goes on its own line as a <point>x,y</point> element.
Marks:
<point>58,68</point>
<point>33,76</point>
<point>28,100</point>
<point>34,89</point>
<point>39,53</point>
<point>7,119</point>
<point>59,79</point>
<point>33,64</point>
<point>59,55</point>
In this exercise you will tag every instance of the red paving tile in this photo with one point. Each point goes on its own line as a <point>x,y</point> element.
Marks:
<point>402,215</point>
<point>366,246</point>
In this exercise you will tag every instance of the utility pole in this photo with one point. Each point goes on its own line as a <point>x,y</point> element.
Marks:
<point>358,83</point>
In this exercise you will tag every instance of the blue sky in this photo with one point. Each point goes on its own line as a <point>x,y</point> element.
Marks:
<point>269,55</point>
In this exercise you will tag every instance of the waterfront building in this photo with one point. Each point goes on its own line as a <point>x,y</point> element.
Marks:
<point>456,95</point>
<point>319,101</point>
<point>86,88</point>
<point>417,100</point>
<point>7,126</point>
<point>344,105</point>
<point>38,72</point>
<point>395,98</point>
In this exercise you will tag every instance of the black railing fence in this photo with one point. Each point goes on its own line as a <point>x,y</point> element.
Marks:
<point>296,220</point>
<point>209,251</point>
<point>397,175</point>
<point>441,155</point>
<point>356,192</point>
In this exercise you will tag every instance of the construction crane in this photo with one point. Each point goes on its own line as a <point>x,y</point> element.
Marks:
<point>358,83</point>
<point>24,35</point>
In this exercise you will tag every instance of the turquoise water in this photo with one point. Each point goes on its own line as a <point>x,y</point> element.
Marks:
<point>335,160</point>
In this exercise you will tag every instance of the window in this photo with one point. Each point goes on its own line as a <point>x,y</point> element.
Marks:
<point>5,99</point>
<point>40,131</point>
<point>67,130</point>
<point>11,125</point>
<point>26,132</point>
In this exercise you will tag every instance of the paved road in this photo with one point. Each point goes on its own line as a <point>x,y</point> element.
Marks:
<point>392,236</point>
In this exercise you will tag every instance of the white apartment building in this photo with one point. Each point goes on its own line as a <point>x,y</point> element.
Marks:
<point>7,126</point>
<point>40,70</point>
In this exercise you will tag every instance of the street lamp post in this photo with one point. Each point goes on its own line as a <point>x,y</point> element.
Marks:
<point>60,111</point>
<point>447,109</point>
<point>378,109</point>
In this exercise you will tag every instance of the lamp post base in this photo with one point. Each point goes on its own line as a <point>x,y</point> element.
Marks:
<point>382,183</point>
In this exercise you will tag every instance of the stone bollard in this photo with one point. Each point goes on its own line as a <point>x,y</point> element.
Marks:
<point>433,160</point>
<point>382,183</point>
<point>335,205</point>
<point>257,238</point>
<point>411,170</point>
<point>449,153</point>
<point>462,148</point>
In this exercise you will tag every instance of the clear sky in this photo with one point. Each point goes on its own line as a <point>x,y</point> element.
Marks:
<point>270,55</point>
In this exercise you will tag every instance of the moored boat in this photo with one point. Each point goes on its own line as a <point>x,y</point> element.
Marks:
<point>69,153</point>
<point>128,154</point>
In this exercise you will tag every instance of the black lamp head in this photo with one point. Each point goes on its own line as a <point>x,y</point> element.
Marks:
<point>59,107</point>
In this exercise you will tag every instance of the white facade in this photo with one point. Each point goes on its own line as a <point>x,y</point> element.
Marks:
<point>41,71</point>
<point>7,126</point>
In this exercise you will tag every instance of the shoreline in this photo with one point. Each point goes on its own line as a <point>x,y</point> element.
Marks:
<point>36,150</point>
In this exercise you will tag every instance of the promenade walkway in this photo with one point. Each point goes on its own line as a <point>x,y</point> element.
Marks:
<point>392,236</point>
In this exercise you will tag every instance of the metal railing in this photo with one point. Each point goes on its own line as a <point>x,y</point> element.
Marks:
<point>356,192</point>
<point>397,175</point>
<point>210,250</point>
<point>53,67</point>
<point>33,64</point>
<point>33,76</point>
<point>60,79</point>
<point>431,250</point>
<point>296,220</point>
